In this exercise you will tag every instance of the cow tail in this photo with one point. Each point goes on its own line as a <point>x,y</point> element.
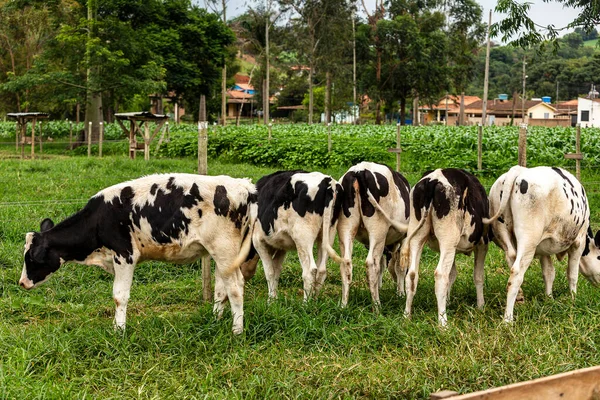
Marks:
<point>327,217</point>
<point>509,181</point>
<point>405,251</point>
<point>399,226</point>
<point>248,228</point>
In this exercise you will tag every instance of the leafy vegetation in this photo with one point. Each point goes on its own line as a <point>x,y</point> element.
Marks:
<point>423,148</point>
<point>58,342</point>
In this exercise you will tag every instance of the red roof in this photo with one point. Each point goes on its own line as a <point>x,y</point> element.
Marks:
<point>241,79</point>
<point>453,103</point>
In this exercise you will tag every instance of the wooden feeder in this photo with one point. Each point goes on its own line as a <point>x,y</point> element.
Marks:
<point>22,119</point>
<point>137,119</point>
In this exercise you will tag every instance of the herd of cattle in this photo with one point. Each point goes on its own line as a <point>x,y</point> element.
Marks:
<point>537,212</point>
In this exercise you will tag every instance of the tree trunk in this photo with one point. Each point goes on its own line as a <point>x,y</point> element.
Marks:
<point>93,114</point>
<point>461,116</point>
<point>402,110</point>
<point>311,98</point>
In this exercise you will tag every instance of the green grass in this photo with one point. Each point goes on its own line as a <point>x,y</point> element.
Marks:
<point>57,341</point>
<point>591,43</point>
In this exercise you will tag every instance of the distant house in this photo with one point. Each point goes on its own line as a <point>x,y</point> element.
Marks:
<point>241,97</point>
<point>446,110</point>
<point>588,112</point>
<point>504,112</point>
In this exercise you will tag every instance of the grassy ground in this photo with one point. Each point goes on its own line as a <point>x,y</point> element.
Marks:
<point>57,340</point>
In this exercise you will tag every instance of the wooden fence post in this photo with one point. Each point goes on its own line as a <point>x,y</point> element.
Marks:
<point>17,134</point>
<point>329,142</point>
<point>70,134</point>
<point>479,147</point>
<point>33,139</point>
<point>100,139</point>
<point>90,139</point>
<point>203,170</point>
<point>577,156</point>
<point>270,133</point>
<point>523,145</point>
<point>41,138</point>
<point>398,148</point>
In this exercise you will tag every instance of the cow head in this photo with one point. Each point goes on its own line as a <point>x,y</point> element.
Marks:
<point>590,260</point>
<point>40,259</point>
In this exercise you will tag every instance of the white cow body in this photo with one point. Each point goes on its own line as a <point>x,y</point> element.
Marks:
<point>374,211</point>
<point>540,212</point>
<point>168,217</point>
<point>447,209</point>
<point>295,212</point>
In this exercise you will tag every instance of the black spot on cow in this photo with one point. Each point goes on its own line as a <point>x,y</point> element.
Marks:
<point>404,187</point>
<point>572,207</point>
<point>524,186</point>
<point>153,189</point>
<point>338,205</point>
<point>116,261</point>
<point>274,191</point>
<point>375,183</point>
<point>423,193</point>
<point>475,202</point>
<point>200,212</point>
<point>561,173</point>
<point>501,220</point>
<point>221,201</point>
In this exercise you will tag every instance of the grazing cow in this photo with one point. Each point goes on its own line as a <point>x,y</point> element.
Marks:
<point>447,211</point>
<point>169,217</point>
<point>295,211</point>
<point>540,212</point>
<point>366,188</point>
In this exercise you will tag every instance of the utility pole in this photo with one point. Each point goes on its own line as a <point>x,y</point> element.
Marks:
<point>267,66</point>
<point>355,119</point>
<point>487,75</point>
<point>523,98</point>
<point>224,77</point>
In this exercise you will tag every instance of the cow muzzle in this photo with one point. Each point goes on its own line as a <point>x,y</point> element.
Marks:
<point>26,283</point>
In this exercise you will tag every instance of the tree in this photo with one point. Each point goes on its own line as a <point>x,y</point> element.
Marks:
<point>520,29</point>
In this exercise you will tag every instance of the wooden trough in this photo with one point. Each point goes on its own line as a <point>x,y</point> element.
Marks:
<point>582,384</point>
<point>137,119</point>
<point>22,119</point>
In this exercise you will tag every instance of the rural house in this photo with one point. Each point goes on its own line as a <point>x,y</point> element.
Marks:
<point>588,112</point>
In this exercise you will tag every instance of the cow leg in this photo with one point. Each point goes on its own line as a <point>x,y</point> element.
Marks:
<point>321,269</point>
<point>479,273</point>
<point>412,276</point>
<point>309,268</point>
<point>548,272</point>
<point>376,245</point>
<point>398,271</point>
<point>121,292</point>
<point>220,295</point>
<point>573,270</point>
<point>442,279</point>
<point>346,266</point>
<point>451,279</point>
<point>272,272</point>
<point>525,254</point>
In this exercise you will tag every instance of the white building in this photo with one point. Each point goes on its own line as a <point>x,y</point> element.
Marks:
<point>588,112</point>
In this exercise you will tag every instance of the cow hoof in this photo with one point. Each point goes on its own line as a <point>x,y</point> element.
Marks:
<point>237,330</point>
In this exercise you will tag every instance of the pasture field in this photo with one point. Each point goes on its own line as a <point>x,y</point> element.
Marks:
<point>57,341</point>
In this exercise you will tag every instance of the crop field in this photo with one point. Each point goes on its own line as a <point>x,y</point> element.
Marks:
<point>57,341</point>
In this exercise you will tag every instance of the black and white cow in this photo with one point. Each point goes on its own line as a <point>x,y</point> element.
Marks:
<point>366,188</point>
<point>447,211</point>
<point>169,217</point>
<point>295,211</point>
<point>540,212</point>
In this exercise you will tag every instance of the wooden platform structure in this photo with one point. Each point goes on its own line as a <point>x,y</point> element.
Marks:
<point>22,119</point>
<point>581,384</point>
<point>136,120</point>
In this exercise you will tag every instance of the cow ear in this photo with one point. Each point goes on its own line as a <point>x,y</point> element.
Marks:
<point>46,225</point>
<point>597,239</point>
